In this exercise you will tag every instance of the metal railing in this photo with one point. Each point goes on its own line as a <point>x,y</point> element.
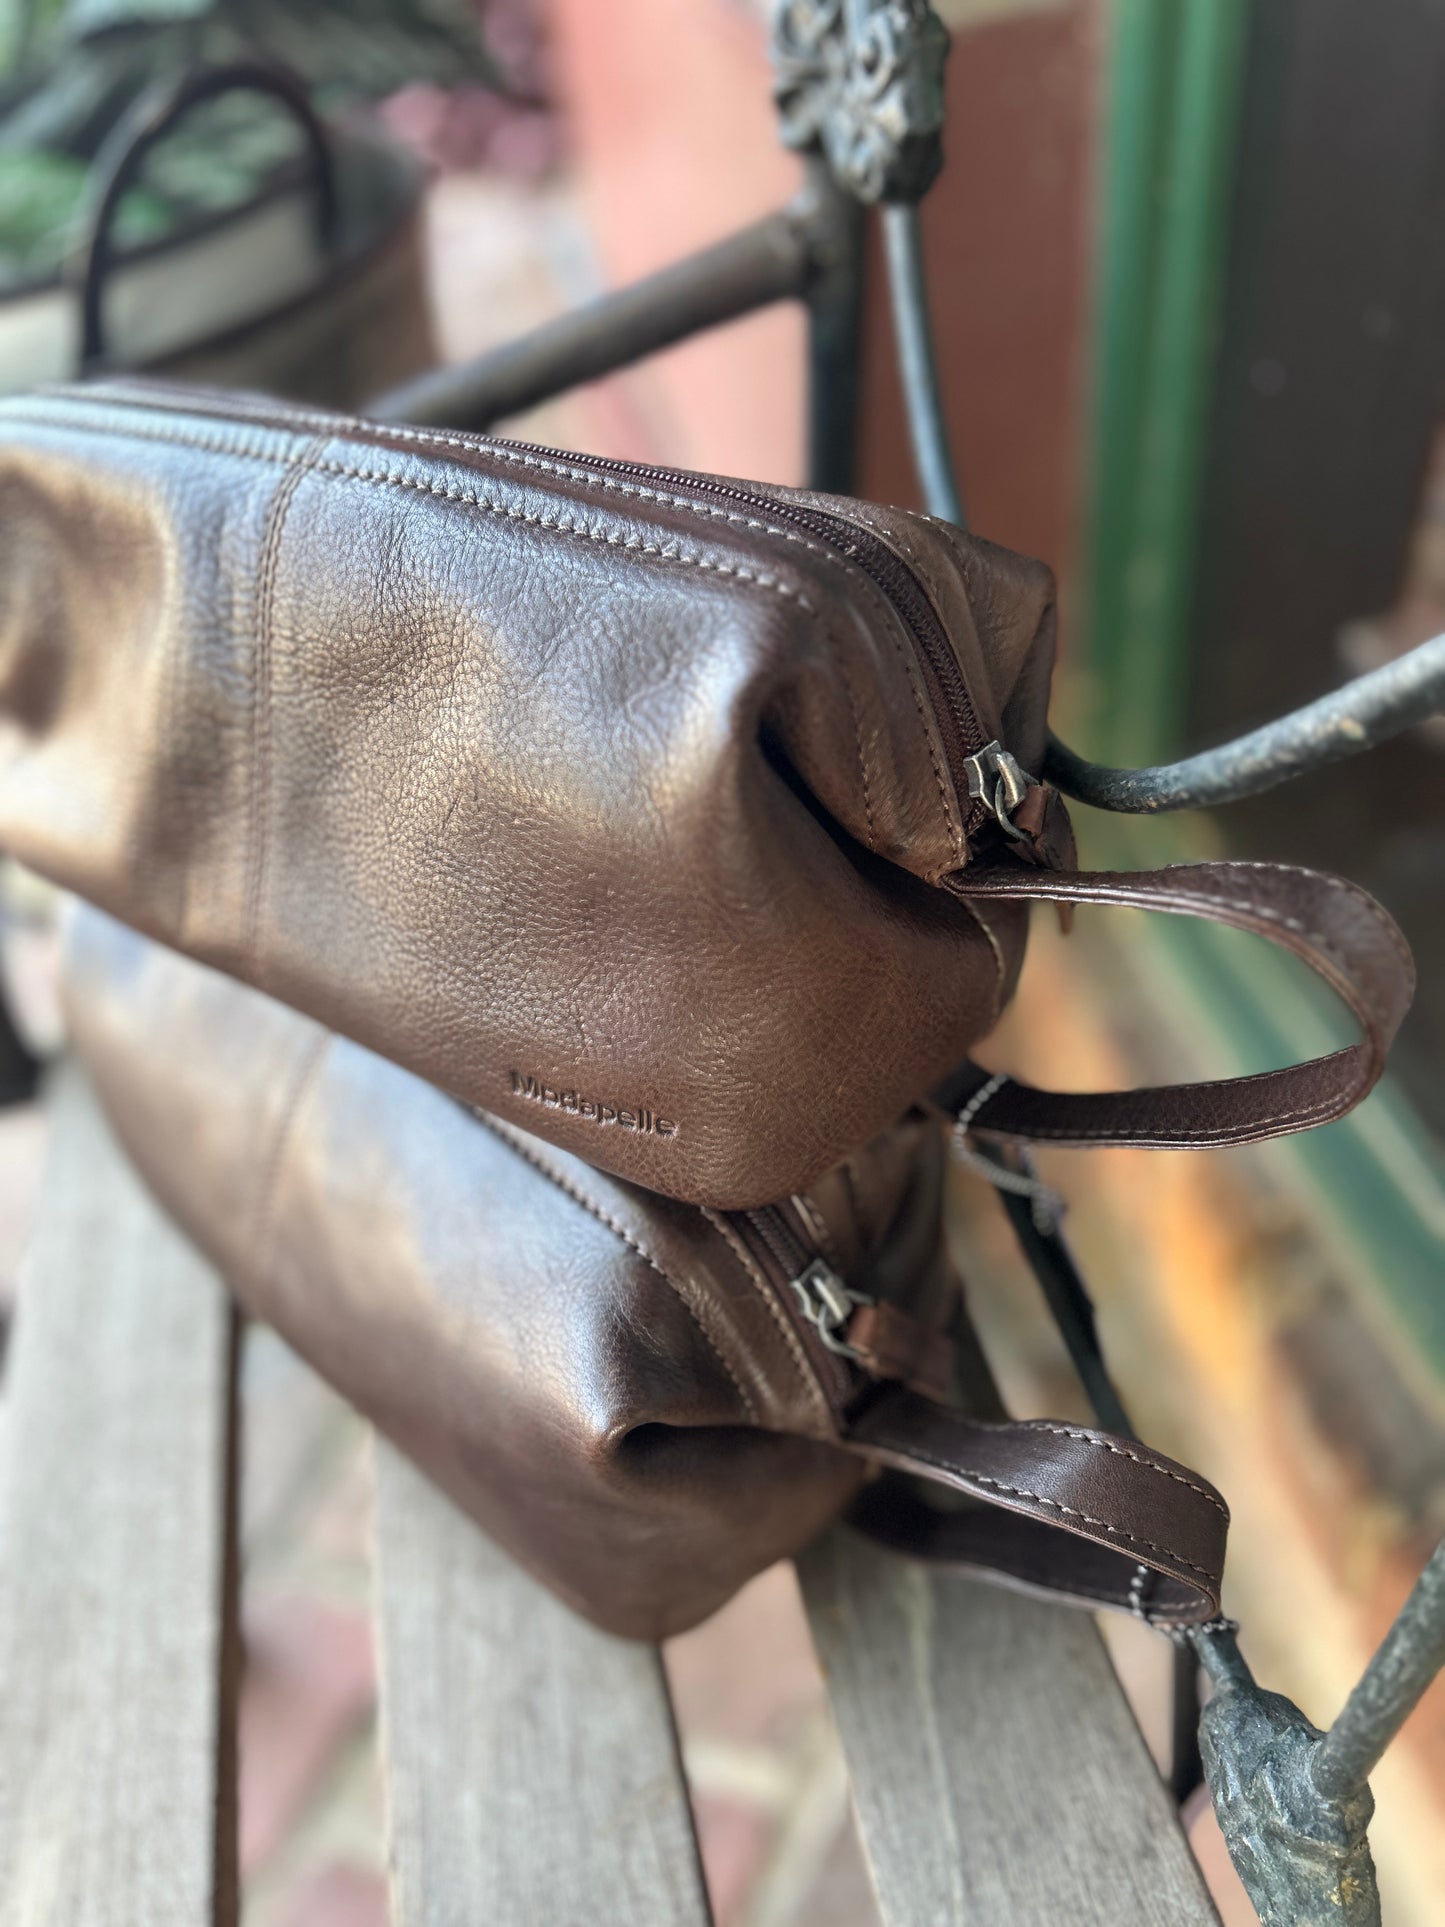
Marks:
<point>860,92</point>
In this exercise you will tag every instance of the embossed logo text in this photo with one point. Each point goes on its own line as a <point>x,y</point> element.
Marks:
<point>640,1119</point>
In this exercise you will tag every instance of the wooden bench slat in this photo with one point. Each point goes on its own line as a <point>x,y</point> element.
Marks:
<point>533,1772</point>
<point>113,1485</point>
<point>998,1775</point>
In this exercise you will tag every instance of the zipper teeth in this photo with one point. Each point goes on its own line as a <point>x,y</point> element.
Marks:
<point>953,707</point>
<point>788,1246</point>
<point>791,1254</point>
<point>890,574</point>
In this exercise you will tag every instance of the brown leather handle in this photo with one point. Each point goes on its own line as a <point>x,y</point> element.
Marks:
<point>1062,1509</point>
<point>1340,932</point>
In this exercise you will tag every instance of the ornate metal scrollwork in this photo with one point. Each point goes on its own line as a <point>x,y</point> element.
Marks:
<point>862,80</point>
<point>1304,1859</point>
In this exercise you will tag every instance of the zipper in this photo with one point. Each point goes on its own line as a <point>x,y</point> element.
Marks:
<point>851,542</point>
<point>974,760</point>
<point>817,1300</point>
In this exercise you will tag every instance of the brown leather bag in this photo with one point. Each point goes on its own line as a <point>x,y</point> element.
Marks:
<point>643,1401</point>
<point>682,822</point>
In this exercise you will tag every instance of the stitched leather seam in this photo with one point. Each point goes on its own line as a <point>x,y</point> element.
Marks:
<point>1061,1584</point>
<point>929,582</point>
<point>388,477</point>
<point>518,458</point>
<point>1179,1613</point>
<point>955,841</point>
<point>1384,923</point>
<point>899,542</point>
<point>999,967</point>
<point>1123,1452</point>
<point>214,444</point>
<point>619,1230</point>
<point>590,476</point>
<point>1206,1133</point>
<point>1319,1109</point>
<point>258,839</point>
<point>1256,912</point>
<point>790,1337</point>
<point>298,419</point>
<point>391,478</point>
<point>1057,1505</point>
<point>1195,1136</point>
<point>816,1223</point>
<point>1253,912</point>
<point>858,746</point>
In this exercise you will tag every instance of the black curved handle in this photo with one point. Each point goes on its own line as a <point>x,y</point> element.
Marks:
<point>149,120</point>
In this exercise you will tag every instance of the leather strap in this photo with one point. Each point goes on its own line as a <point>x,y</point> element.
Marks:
<point>1340,932</point>
<point>1062,1509</point>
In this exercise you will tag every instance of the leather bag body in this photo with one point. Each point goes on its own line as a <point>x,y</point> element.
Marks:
<point>659,815</point>
<point>625,1391</point>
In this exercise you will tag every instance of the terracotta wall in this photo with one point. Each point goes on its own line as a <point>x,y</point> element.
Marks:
<point>671,120</point>
<point>1008,237</point>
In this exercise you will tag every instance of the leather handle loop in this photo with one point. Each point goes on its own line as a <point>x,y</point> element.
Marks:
<point>153,116</point>
<point>1345,937</point>
<point>1062,1509</point>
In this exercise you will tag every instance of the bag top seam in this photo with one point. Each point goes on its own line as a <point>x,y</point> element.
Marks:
<point>220,444</point>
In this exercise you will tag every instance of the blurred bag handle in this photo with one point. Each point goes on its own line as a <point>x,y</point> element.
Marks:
<point>117,167</point>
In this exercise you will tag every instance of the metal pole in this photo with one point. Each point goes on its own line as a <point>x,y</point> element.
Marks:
<point>917,364</point>
<point>1411,1654</point>
<point>778,258</point>
<point>1363,713</point>
<point>1072,1309</point>
<point>1367,711</point>
<point>834,305</point>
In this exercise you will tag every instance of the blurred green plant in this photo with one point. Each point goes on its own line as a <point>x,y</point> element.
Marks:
<point>70,69</point>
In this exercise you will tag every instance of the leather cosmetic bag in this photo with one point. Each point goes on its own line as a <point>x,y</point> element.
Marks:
<point>645,1402</point>
<point>683,823</point>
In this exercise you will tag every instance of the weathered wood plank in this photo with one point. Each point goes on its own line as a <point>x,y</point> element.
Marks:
<point>113,1530</point>
<point>532,1764</point>
<point>997,1773</point>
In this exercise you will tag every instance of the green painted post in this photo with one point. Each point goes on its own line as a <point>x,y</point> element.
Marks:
<point>1175,73</point>
<point>1174,80</point>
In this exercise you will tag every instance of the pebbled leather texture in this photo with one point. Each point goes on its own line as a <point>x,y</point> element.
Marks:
<point>605,1380</point>
<point>632,808</point>
<point>512,770</point>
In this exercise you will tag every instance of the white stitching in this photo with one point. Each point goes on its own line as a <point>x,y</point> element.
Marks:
<point>391,478</point>
<point>1163,898</point>
<point>1196,1135</point>
<point>1136,1592</point>
<point>214,444</point>
<point>790,1337</point>
<point>1057,1505</point>
<point>1123,1452</point>
<point>509,1137</point>
<point>1000,968</point>
<point>258,851</point>
<point>340,426</point>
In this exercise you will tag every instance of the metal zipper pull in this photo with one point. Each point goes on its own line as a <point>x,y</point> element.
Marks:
<point>828,1304</point>
<point>1000,783</point>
